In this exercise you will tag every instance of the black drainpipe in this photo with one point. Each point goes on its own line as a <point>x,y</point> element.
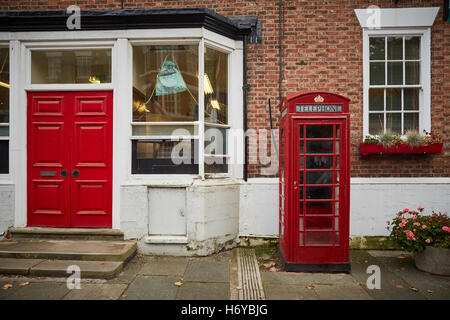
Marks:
<point>245,90</point>
<point>280,51</point>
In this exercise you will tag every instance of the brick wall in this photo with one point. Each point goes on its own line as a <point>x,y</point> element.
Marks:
<point>322,49</point>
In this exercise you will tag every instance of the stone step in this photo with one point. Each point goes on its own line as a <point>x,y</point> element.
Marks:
<point>66,233</point>
<point>68,250</point>
<point>58,268</point>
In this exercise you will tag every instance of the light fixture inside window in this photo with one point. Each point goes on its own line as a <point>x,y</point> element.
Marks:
<point>94,79</point>
<point>3,84</point>
<point>215,104</point>
<point>207,85</point>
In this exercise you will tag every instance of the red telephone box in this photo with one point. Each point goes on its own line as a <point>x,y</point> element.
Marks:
<point>314,182</point>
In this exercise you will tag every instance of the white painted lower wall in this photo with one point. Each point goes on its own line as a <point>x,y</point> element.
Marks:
<point>6,207</point>
<point>373,201</point>
<point>217,211</point>
<point>176,218</point>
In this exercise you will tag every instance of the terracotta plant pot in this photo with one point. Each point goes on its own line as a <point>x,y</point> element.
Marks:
<point>433,260</point>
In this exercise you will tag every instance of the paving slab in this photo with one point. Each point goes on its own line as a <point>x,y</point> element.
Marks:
<point>5,294</point>
<point>207,270</point>
<point>288,292</point>
<point>203,291</point>
<point>430,286</point>
<point>17,266</point>
<point>129,271</point>
<point>67,250</point>
<point>392,287</point>
<point>104,291</point>
<point>165,266</point>
<point>39,291</point>
<point>304,279</point>
<point>89,269</point>
<point>152,288</point>
<point>341,292</point>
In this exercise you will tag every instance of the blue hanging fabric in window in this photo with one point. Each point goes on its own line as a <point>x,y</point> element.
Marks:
<point>169,79</point>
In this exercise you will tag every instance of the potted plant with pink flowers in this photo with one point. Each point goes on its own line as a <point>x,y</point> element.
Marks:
<point>426,236</point>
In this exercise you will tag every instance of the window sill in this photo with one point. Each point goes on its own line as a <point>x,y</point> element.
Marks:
<point>378,149</point>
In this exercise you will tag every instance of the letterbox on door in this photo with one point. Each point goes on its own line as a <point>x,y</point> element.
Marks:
<point>314,182</point>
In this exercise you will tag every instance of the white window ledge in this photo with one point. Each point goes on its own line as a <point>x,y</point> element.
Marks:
<point>166,240</point>
<point>398,17</point>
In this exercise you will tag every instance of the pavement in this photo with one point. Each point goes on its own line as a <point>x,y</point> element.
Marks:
<point>216,278</point>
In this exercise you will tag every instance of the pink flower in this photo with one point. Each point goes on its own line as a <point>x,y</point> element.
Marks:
<point>428,241</point>
<point>414,218</point>
<point>446,229</point>
<point>420,208</point>
<point>414,230</point>
<point>388,222</point>
<point>406,210</point>
<point>424,226</point>
<point>416,224</point>
<point>445,213</point>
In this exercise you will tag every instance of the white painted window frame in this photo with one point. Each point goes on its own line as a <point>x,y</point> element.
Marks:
<point>200,124</point>
<point>425,73</point>
<point>5,177</point>
<point>399,21</point>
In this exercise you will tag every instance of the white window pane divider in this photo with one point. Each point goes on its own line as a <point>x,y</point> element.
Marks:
<point>165,123</point>
<point>209,155</point>
<point>201,109</point>
<point>394,86</point>
<point>173,138</point>
<point>217,125</point>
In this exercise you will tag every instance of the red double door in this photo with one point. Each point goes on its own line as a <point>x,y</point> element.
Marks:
<point>69,144</point>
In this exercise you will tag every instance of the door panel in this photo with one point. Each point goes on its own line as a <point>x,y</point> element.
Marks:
<point>92,159</point>
<point>71,132</point>
<point>319,147</point>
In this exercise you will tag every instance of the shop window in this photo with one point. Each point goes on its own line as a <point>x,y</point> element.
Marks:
<point>395,84</point>
<point>71,66</point>
<point>166,110</point>
<point>4,110</point>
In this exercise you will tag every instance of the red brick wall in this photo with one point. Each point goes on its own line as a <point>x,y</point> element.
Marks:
<point>322,49</point>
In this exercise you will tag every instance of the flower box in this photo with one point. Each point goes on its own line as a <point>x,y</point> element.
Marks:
<point>401,148</point>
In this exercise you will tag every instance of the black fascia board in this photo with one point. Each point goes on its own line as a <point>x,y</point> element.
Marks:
<point>55,20</point>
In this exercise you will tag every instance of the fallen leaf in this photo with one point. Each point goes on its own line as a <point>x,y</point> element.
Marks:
<point>430,291</point>
<point>399,286</point>
<point>273,269</point>
<point>23,284</point>
<point>401,256</point>
<point>124,296</point>
<point>7,286</point>
<point>178,284</point>
<point>414,289</point>
<point>269,264</point>
<point>310,287</point>
<point>239,287</point>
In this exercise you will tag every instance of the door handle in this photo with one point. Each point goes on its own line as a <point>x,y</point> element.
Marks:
<point>75,173</point>
<point>63,173</point>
